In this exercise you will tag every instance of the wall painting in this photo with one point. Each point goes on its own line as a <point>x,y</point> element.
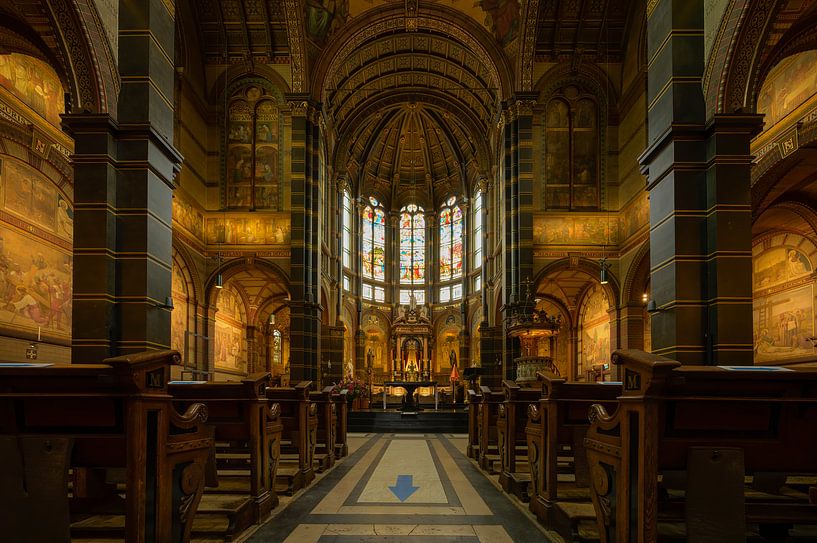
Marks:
<point>249,229</point>
<point>788,85</point>
<point>231,330</point>
<point>575,229</point>
<point>779,265</point>
<point>782,322</point>
<point>595,331</point>
<point>34,83</point>
<point>188,217</point>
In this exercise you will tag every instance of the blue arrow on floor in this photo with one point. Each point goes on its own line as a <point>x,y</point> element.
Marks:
<point>404,488</point>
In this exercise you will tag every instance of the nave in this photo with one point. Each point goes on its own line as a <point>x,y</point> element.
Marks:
<point>412,488</point>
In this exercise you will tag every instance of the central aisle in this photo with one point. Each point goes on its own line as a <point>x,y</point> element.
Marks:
<point>402,487</point>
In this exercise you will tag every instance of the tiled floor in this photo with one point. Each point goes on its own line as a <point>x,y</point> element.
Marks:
<point>417,488</point>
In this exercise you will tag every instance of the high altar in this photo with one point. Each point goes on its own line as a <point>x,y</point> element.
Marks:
<point>411,343</point>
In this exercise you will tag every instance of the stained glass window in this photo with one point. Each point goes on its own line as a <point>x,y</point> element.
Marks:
<point>478,231</point>
<point>412,245</point>
<point>374,241</point>
<point>451,241</point>
<point>347,229</point>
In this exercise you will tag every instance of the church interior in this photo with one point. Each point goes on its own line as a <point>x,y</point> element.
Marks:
<point>434,270</point>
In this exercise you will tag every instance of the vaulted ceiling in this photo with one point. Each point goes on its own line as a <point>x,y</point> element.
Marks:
<point>594,28</point>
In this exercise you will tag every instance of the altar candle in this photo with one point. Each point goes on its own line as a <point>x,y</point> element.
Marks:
<point>38,333</point>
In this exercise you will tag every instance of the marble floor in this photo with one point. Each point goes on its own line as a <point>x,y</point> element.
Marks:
<point>414,488</point>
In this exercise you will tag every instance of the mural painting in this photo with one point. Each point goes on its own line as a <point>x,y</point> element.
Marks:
<point>35,83</point>
<point>595,332</point>
<point>787,86</point>
<point>180,314</point>
<point>779,265</point>
<point>635,216</point>
<point>503,18</point>
<point>575,229</point>
<point>230,344</point>
<point>252,159</point>
<point>325,17</point>
<point>782,322</point>
<point>249,229</point>
<point>33,198</point>
<point>188,217</point>
<point>35,285</point>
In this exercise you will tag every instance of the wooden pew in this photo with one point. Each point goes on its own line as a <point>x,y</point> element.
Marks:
<point>512,416</point>
<point>556,428</point>
<point>342,412</point>
<point>248,443</point>
<point>678,447</point>
<point>488,443</point>
<point>474,401</point>
<point>299,417</point>
<point>327,428</point>
<point>114,426</point>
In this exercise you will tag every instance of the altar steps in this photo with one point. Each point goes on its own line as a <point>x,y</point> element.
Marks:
<point>424,422</point>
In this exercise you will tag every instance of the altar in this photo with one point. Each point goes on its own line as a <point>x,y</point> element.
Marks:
<point>410,386</point>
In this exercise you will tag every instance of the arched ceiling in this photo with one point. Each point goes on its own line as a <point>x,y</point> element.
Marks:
<point>594,28</point>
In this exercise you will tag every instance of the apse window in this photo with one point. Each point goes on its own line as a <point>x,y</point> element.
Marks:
<point>379,294</point>
<point>419,297</point>
<point>368,292</point>
<point>347,283</point>
<point>477,283</point>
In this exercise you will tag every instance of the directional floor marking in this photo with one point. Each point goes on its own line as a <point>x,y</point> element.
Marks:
<point>409,461</point>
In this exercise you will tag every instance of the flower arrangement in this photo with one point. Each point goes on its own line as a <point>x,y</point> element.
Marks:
<point>352,388</point>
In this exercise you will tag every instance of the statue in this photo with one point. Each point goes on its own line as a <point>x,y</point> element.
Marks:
<point>370,359</point>
<point>452,358</point>
<point>350,369</point>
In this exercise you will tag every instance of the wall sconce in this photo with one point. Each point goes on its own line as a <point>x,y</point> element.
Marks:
<point>603,272</point>
<point>652,307</point>
<point>219,281</point>
<point>167,305</point>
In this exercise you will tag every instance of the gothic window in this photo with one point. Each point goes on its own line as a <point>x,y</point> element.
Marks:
<point>571,151</point>
<point>253,143</point>
<point>412,245</point>
<point>374,241</point>
<point>347,229</point>
<point>450,241</point>
<point>477,222</point>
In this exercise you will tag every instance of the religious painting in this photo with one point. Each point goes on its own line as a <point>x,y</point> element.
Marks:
<point>503,18</point>
<point>253,157</point>
<point>31,196</point>
<point>179,315</point>
<point>230,333</point>
<point>635,216</point>
<point>595,332</point>
<point>789,84</point>
<point>778,265</point>
<point>188,217</point>
<point>35,284</point>
<point>249,229</point>
<point>325,17</point>
<point>575,229</point>
<point>782,324</point>
<point>34,83</point>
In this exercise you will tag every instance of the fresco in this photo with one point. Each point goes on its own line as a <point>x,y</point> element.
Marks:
<point>782,322</point>
<point>595,331</point>
<point>779,265</point>
<point>787,86</point>
<point>253,159</point>
<point>575,229</point>
<point>188,217</point>
<point>249,229</point>
<point>502,16</point>
<point>230,343</point>
<point>635,216</point>
<point>325,17</point>
<point>179,315</point>
<point>35,285</point>
<point>34,83</point>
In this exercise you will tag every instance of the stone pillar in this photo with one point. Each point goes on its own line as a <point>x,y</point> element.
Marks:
<point>305,309</point>
<point>124,183</point>
<point>676,172</point>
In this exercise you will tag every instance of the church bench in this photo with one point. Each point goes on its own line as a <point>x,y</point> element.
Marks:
<point>555,430</point>
<point>299,417</point>
<point>327,416</point>
<point>488,443</point>
<point>342,415</point>
<point>248,442</point>
<point>512,416</point>
<point>137,466</point>
<point>676,452</point>
<point>474,401</point>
